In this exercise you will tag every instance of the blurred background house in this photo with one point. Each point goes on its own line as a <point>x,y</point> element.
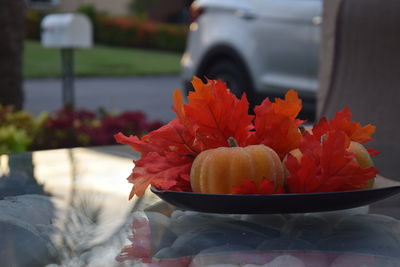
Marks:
<point>132,39</point>
<point>175,11</point>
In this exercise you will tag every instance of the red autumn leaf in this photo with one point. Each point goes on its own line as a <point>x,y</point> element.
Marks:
<point>249,187</point>
<point>170,137</point>
<point>276,124</point>
<point>373,152</point>
<point>167,155</point>
<point>326,166</point>
<point>342,121</point>
<point>265,187</point>
<point>213,114</point>
<point>169,171</point>
<point>303,176</point>
<point>206,122</point>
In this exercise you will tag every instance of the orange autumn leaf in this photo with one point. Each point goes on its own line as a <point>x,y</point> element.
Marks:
<point>290,106</point>
<point>342,121</point>
<point>276,124</point>
<point>213,114</point>
<point>326,166</point>
<point>178,104</point>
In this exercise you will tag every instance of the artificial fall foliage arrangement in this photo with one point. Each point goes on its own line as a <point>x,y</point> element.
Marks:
<point>215,146</point>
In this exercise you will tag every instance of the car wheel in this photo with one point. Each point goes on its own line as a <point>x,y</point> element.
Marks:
<point>233,75</point>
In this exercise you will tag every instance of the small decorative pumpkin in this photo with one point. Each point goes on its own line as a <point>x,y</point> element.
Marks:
<point>217,170</point>
<point>362,156</point>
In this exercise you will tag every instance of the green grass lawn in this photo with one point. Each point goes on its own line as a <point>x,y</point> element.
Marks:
<point>99,61</point>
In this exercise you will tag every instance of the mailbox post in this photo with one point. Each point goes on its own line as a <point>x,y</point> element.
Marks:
<point>67,32</point>
<point>67,68</point>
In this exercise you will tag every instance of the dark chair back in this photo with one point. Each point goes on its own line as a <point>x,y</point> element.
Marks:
<point>360,68</point>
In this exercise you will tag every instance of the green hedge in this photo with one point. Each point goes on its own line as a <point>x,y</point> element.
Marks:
<point>139,33</point>
<point>123,31</point>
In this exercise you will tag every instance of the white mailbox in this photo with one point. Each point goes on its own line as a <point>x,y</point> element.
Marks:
<point>67,31</point>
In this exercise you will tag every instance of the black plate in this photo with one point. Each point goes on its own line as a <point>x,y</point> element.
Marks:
<point>278,203</point>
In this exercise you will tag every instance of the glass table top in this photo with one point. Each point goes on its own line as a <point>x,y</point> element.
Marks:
<point>69,207</point>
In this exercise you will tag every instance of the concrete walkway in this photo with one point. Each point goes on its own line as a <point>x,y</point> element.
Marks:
<point>152,95</point>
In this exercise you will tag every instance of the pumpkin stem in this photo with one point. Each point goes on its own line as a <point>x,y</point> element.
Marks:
<point>232,142</point>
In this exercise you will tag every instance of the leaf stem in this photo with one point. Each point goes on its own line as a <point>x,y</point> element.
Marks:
<point>302,130</point>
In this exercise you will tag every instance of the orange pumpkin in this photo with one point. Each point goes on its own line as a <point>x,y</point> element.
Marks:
<point>217,170</point>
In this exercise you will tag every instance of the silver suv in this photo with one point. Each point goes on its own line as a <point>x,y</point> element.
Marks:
<point>261,47</point>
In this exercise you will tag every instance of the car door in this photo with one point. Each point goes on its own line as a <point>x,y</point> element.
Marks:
<point>288,37</point>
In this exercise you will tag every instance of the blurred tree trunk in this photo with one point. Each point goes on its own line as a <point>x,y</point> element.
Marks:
<point>12,35</point>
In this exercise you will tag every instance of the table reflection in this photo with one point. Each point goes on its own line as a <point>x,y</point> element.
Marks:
<point>66,206</point>
<point>186,238</point>
<point>69,207</point>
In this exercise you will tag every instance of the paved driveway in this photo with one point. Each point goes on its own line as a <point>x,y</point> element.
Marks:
<point>152,95</point>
